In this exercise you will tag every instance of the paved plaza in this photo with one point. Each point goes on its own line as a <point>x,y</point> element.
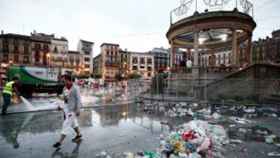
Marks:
<point>116,130</point>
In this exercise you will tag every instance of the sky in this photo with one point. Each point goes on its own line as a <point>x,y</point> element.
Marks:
<point>137,25</point>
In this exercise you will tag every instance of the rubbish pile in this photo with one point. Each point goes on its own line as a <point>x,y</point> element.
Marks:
<point>179,110</point>
<point>250,111</point>
<point>145,154</point>
<point>172,110</point>
<point>254,133</point>
<point>195,139</point>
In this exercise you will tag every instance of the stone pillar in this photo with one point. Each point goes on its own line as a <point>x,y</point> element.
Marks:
<point>195,68</point>
<point>172,56</point>
<point>249,51</point>
<point>189,54</point>
<point>234,60</point>
<point>238,54</point>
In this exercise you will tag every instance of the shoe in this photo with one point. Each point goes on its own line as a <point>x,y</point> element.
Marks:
<point>77,138</point>
<point>57,145</point>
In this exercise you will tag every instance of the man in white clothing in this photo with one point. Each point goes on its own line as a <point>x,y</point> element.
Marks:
<point>71,109</point>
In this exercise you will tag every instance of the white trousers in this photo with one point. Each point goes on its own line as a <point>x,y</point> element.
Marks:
<point>69,123</point>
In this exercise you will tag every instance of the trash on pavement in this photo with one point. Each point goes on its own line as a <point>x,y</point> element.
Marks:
<point>193,138</point>
<point>273,154</point>
<point>240,120</point>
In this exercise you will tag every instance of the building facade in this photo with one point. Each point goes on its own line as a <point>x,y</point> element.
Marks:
<point>97,65</point>
<point>161,59</point>
<point>16,49</point>
<point>267,50</point>
<point>41,49</point>
<point>142,64</point>
<point>46,50</point>
<point>38,49</point>
<point>114,62</point>
<point>86,49</point>
<point>73,62</point>
<point>110,61</point>
<point>59,52</point>
<point>124,63</point>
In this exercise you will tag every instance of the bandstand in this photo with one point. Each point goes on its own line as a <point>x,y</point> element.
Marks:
<point>203,27</point>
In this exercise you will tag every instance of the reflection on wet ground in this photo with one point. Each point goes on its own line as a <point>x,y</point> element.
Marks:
<point>137,127</point>
<point>113,129</point>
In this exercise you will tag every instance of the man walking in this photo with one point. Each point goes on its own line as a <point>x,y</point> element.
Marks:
<point>71,109</point>
<point>8,90</point>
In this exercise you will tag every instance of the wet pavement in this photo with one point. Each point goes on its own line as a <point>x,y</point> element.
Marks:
<point>113,129</point>
<point>90,98</point>
<point>134,128</point>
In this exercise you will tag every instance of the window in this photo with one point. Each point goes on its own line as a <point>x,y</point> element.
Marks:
<point>142,60</point>
<point>150,68</point>
<point>71,58</point>
<point>26,46</point>
<point>55,49</point>
<point>37,56</point>
<point>135,60</point>
<point>134,68</point>
<point>149,61</point>
<point>87,59</point>
<point>142,67</point>
<point>5,57</point>
<point>46,47</point>
<point>25,59</point>
<point>87,66</point>
<point>37,46</point>
<point>16,58</point>
<point>77,61</point>
<point>16,50</point>
<point>16,42</point>
<point>5,46</point>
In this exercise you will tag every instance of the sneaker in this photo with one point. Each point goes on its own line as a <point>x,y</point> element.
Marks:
<point>57,145</point>
<point>77,138</point>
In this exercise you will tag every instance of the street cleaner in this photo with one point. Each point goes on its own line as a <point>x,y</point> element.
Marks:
<point>71,110</point>
<point>8,90</point>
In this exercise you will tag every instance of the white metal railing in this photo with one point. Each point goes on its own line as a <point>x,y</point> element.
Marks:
<point>187,8</point>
